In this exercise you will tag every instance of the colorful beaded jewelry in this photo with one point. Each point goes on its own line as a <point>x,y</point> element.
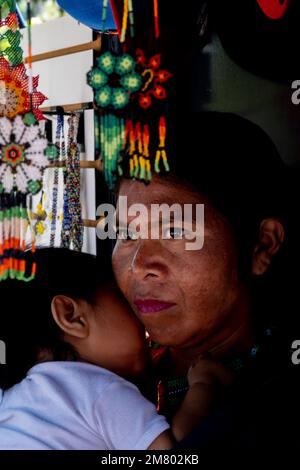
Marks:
<point>72,229</point>
<point>60,144</point>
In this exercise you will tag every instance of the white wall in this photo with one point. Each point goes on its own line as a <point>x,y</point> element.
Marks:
<point>63,81</point>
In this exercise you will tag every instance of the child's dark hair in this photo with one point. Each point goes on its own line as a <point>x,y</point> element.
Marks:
<point>26,323</point>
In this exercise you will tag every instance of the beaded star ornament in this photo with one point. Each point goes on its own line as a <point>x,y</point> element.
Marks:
<point>23,148</point>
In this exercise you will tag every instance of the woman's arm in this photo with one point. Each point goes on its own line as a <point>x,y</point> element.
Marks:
<point>205,378</point>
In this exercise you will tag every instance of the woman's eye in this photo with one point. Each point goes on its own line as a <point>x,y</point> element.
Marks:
<point>124,234</point>
<point>175,233</point>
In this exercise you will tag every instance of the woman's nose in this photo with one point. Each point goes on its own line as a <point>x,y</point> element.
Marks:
<point>148,259</point>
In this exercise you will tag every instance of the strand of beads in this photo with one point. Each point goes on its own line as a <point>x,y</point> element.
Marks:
<point>74,199</point>
<point>72,232</point>
<point>60,143</point>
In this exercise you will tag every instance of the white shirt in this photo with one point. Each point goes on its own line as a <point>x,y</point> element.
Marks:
<point>76,406</point>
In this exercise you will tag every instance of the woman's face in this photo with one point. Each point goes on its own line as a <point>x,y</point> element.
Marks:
<point>184,298</point>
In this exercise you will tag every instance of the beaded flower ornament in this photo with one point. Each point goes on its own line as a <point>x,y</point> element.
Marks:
<point>22,155</point>
<point>113,80</point>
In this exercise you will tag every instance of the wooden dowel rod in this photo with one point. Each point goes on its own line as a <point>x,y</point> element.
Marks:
<point>68,108</point>
<point>91,223</point>
<point>93,45</point>
<point>95,164</point>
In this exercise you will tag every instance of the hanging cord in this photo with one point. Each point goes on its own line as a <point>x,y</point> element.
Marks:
<point>124,21</point>
<point>131,18</point>
<point>104,14</point>
<point>156,19</point>
<point>128,17</point>
<point>30,73</point>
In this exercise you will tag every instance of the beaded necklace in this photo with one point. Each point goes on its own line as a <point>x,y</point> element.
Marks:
<point>72,229</point>
<point>60,144</point>
<point>171,392</point>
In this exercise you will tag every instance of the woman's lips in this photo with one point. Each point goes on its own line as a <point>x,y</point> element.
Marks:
<point>152,305</point>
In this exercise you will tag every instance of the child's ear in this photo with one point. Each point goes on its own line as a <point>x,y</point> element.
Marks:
<point>70,316</point>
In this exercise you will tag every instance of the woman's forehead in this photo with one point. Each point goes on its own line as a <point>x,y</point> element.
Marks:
<point>169,191</point>
<point>160,190</point>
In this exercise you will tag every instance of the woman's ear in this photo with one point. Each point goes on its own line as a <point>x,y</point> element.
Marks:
<point>70,316</point>
<point>271,237</point>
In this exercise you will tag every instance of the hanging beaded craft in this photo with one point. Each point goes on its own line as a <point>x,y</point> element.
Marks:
<point>22,155</point>
<point>10,36</point>
<point>144,133</point>
<point>137,135</point>
<point>153,78</point>
<point>61,146</point>
<point>14,92</point>
<point>126,144</point>
<point>13,229</point>
<point>114,81</point>
<point>22,147</point>
<point>72,229</point>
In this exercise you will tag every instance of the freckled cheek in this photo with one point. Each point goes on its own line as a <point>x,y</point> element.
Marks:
<point>121,263</point>
<point>203,279</point>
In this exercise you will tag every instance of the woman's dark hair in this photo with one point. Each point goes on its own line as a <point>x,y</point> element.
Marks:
<point>236,166</point>
<point>26,323</point>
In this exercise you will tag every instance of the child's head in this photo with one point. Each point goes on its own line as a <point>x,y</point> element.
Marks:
<point>73,310</point>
